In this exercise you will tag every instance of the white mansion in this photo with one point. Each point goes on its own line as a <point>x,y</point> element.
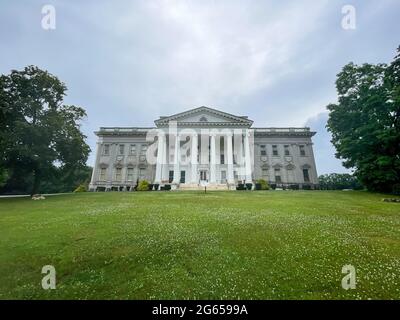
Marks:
<point>203,146</point>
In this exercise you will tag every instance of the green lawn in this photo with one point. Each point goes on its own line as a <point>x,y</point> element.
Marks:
<point>188,245</point>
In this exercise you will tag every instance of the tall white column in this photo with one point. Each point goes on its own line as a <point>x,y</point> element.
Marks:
<point>112,160</point>
<point>204,149</point>
<point>212,159</point>
<point>231,179</point>
<point>247,156</point>
<point>193,160</point>
<point>160,151</point>
<point>165,169</point>
<point>177,172</point>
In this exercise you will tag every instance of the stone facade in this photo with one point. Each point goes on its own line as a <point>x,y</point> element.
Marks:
<point>218,149</point>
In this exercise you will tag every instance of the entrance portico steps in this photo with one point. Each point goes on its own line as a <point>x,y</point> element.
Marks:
<point>210,186</point>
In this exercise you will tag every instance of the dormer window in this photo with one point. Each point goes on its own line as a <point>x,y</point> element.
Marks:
<point>203,119</point>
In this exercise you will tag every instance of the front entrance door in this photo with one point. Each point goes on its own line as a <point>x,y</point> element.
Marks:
<point>183,176</point>
<point>203,175</point>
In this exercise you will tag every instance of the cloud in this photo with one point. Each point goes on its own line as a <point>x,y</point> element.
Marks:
<point>128,62</point>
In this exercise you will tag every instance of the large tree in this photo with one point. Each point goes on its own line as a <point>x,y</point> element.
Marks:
<point>365,123</point>
<point>39,135</point>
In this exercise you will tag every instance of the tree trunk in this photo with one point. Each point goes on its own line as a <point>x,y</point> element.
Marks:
<point>36,182</point>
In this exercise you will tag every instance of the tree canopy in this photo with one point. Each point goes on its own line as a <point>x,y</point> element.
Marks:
<point>339,181</point>
<point>365,123</point>
<point>40,137</point>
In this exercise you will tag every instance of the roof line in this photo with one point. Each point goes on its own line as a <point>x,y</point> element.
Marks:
<point>240,118</point>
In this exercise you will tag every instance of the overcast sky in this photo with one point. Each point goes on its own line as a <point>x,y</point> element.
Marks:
<point>128,62</point>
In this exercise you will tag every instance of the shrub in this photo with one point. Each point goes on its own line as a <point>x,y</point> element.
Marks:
<point>156,186</point>
<point>165,187</point>
<point>249,186</point>
<point>143,186</point>
<point>263,185</point>
<point>306,187</point>
<point>273,186</point>
<point>240,186</point>
<point>293,187</point>
<point>80,188</point>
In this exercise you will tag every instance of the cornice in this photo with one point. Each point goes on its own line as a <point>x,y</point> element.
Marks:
<point>206,124</point>
<point>237,119</point>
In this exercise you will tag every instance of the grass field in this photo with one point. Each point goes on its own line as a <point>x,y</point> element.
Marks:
<point>188,245</point>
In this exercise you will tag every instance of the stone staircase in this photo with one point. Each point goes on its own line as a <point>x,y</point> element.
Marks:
<point>210,187</point>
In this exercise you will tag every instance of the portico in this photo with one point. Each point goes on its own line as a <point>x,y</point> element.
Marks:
<point>209,155</point>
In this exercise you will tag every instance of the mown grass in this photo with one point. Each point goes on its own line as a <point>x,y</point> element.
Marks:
<point>188,245</point>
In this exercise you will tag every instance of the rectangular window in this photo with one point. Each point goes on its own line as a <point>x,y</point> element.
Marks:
<point>274,150</point>
<point>133,149</point>
<point>302,150</point>
<point>171,176</point>
<point>102,174</point>
<point>143,150</point>
<point>222,159</point>
<point>142,174</point>
<point>306,175</point>
<point>106,149</point>
<point>129,174</point>
<point>287,151</point>
<point>118,174</point>
<point>203,175</point>
<point>223,176</point>
<point>290,175</point>
<point>278,176</point>
<point>264,174</point>
<point>263,150</point>
<point>121,149</point>
<point>183,176</point>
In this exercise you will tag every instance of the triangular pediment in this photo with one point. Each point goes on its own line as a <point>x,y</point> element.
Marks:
<point>204,116</point>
